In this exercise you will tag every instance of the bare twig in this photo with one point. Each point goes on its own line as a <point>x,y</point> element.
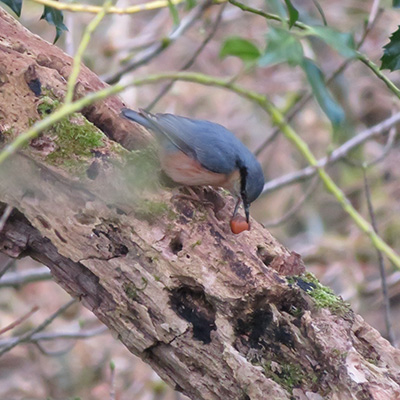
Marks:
<point>26,337</point>
<point>4,217</point>
<point>24,277</point>
<point>336,155</point>
<point>381,263</point>
<point>19,320</point>
<point>153,51</point>
<point>56,353</point>
<point>285,217</point>
<point>386,150</point>
<point>373,13</point>
<point>51,336</point>
<point>191,61</point>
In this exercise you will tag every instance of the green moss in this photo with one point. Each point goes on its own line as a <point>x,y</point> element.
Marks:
<point>131,290</point>
<point>159,388</point>
<point>195,244</point>
<point>47,105</point>
<point>75,141</point>
<point>286,375</point>
<point>150,210</point>
<point>323,296</point>
<point>165,42</point>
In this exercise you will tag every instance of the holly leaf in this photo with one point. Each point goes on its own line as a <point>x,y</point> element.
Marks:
<point>282,46</point>
<point>330,107</point>
<point>391,54</point>
<point>293,13</point>
<point>15,5</point>
<point>343,43</point>
<point>236,46</point>
<point>56,18</point>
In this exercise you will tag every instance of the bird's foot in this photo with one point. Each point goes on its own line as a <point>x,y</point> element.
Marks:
<point>193,196</point>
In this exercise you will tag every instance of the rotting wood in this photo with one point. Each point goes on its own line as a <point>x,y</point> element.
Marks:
<point>215,314</point>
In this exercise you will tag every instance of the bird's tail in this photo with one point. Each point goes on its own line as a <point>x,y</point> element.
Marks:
<point>136,117</point>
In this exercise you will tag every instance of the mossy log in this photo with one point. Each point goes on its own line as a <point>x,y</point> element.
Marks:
<point>217,315</point>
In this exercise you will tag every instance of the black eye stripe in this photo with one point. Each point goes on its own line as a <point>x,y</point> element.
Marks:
<point>243,180</point>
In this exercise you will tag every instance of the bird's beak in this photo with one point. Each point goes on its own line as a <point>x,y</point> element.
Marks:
<point>247,211</point>
<point>236,206</point>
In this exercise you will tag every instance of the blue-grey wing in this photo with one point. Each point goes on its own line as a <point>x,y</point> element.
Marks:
<point>211,144</point>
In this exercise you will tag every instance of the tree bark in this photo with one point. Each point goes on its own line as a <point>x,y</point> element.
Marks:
<point>216,315</point>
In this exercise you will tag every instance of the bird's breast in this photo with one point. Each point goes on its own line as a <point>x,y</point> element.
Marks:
<point>187,171</point>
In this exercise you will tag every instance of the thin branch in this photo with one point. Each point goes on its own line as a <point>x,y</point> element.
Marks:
<point>154,50</point>
<point>26,337</point>
<point>7,265</point>
<point>12,279</point>
<point>381,263</point>
<point>87,34</point>
<point>373,13</point>
<point>386,150</point>
<point>191,61</point>
<point>57,353</point>
<point>19,321</point>
<point>78,7</point>
<point>285,217</point>
<point>51,336</point>
<point>264,14</point>
<point>5,215</point>
<point>339,153</point>
<point>377,71</point>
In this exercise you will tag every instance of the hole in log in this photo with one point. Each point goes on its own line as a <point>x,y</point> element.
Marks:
<point>265,257</point>
<point>93,170</point>
<point>191,304</point>
<point>176,244</point>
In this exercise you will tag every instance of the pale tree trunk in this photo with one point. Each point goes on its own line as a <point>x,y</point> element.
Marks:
<point>217,316</point>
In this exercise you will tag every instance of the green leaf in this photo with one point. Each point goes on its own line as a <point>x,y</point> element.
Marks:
<point>239,47</point>
<point>56,18</point>
<point>391,54</point>
<point>15,5</point>
<point>396,3</point>
<point>316,79</point>
<point>343,43</point>
<point>293,13</point>
<point>174,13</point>
<point>282,46</point>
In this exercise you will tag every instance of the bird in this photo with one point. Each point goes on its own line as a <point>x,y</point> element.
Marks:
<point>199,153</point>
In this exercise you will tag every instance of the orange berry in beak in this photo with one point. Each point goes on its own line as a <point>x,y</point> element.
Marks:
<point>239,224</point>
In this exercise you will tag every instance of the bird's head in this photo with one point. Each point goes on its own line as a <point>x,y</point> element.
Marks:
<point>251,183</point>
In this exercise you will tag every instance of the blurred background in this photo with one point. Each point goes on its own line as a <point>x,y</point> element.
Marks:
<point>302,215</point>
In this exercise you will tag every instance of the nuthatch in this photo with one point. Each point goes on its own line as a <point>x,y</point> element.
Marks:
<point>198,152</point>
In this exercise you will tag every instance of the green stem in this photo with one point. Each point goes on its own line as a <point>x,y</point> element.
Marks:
<point>375,69</point>
<point>82,47</point>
